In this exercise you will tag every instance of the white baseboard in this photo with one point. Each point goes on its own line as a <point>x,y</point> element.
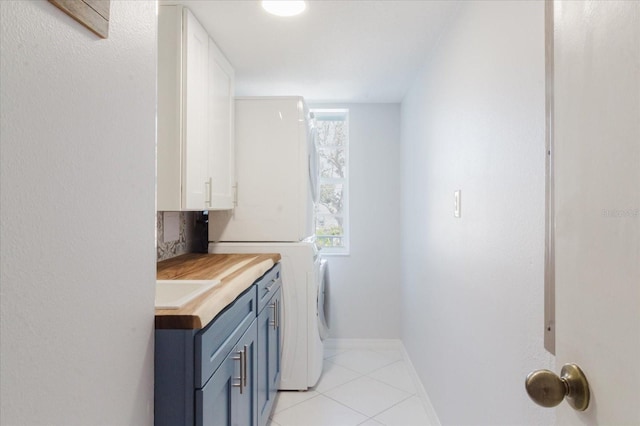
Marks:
<point>422,392</point>
<point>389,344</point>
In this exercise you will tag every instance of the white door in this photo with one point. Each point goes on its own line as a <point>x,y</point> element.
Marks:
<point>597,182</point>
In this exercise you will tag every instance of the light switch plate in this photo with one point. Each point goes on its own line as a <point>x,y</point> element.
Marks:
<point>457,200</point>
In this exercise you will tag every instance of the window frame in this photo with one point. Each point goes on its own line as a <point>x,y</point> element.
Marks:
<point>319,114</point>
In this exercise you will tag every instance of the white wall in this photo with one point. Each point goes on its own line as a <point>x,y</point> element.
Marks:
<point>77,196</point>
<point>472,298</point>
<point>365,286</point>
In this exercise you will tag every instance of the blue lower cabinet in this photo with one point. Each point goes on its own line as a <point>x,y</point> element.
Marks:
<point>269,333</point>
<point>229,397</point>
<point>275,350</point>
<point>228,372</point>
<point>174,377</point>
<point>214,402</point>
<point>245,407</point>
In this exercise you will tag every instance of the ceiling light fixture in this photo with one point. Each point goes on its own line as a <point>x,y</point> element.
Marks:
<point>284,7</point>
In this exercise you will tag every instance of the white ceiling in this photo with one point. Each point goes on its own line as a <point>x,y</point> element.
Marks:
<point>350,50</point>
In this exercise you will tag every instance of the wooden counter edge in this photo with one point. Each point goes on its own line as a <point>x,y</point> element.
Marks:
<point>182,319</point>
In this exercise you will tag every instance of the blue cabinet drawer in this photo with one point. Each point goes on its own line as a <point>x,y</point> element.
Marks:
<point>214,342</point>
<point>268,285</point>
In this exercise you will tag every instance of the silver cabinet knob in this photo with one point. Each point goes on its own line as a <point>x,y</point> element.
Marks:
<point>545,388</point>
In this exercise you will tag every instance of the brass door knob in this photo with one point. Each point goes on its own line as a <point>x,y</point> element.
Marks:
<point>548,390</point>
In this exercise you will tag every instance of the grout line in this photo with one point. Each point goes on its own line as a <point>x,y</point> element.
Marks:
<point>385,410</point>
<point>375,347</point>
<point>361,375</point>
<point>399,402</point>
<point>336,386</point>
<point>343,366</point>
<point>385,366</point>
<point>345,405</point>
<point>338,402</point>
<point>368,350</point>
<point>363,344</point>
<point>273,413</point>
<point>395,387</point>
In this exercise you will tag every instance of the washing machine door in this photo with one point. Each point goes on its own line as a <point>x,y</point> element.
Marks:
<point>323,299</point>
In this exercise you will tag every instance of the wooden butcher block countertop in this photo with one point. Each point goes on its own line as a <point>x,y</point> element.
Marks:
<point>235,271</point>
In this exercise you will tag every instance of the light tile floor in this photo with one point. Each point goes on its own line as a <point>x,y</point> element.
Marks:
<point>357,387</point>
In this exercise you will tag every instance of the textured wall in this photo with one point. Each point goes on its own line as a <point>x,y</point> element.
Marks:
<point>192,232</point>
<point>365,286</point>
<point>77,183</point>
<point>473,287</point>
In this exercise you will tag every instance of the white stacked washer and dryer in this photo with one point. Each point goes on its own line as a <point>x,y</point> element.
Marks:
<point>276,171</point>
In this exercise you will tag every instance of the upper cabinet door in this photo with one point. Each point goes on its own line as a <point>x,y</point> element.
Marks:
<point>221,148</point>
<point>195,116</point>
<point>195,150</point>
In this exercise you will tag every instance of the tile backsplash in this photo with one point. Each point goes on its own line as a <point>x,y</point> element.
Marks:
<point>181,232</point>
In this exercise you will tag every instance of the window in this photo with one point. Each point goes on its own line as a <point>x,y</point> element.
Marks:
<point>332,218</point>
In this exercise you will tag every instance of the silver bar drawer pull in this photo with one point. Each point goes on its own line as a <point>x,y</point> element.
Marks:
<point>239,357</point>
<point>270,286</point>
<point>244,363</point>
<point>207,191</point>
<point>274,322</point>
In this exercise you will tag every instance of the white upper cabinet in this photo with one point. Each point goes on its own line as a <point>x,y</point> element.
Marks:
<point>195,172</point>
<point>221,129</point>
<point>195,116</point>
